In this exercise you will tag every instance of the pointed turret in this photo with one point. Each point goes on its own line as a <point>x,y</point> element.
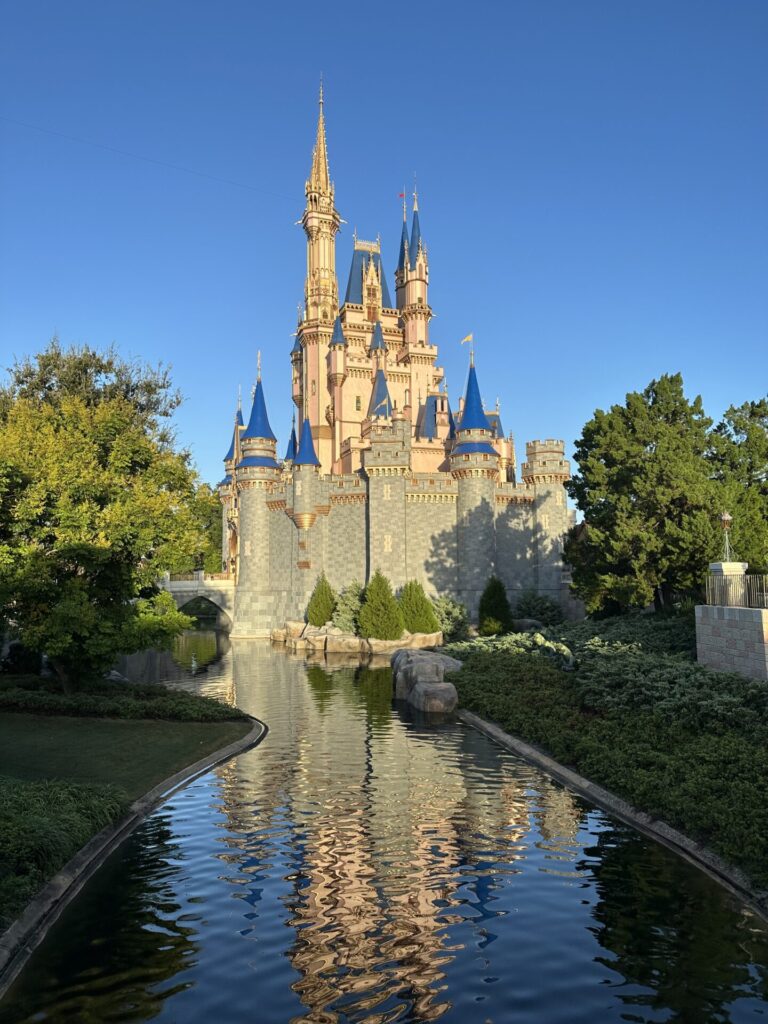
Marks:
<point>473,415</point>
<point>403,241</point>
<point>377,341</point>
<point>320,178</point>
<point>337,338</point>
<point>306,455</point>
<point>258,424</point>
<point>415,243</point>
<point>235,436</point>
<point>290,452</point>
<point>381,403</point>
<point>258,443</point>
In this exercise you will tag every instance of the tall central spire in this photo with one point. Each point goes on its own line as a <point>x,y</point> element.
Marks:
<point>320,178</point>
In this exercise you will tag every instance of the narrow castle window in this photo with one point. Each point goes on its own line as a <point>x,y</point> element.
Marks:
<point>358,405</point>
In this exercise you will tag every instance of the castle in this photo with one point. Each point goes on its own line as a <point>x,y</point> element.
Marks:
<point>383,473</point>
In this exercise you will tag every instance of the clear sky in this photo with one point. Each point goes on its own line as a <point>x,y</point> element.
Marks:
<point>593,180</point>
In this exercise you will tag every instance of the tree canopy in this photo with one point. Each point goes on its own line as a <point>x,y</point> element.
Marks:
<point>95,504</point>
<point>653,478</point>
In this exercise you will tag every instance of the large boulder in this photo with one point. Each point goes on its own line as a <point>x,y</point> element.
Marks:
<point>527,625</point>
<point>294,628</point>
<point>418,677</point>
<point>419,640</point>
<point>278,636</point>
<point>344,643</point>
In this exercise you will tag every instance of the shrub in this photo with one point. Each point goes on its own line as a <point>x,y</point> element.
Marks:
<point>494,606</point>
<point>452,618</point>
<point>418,613</point>
<point>534,606</point>
<point>347,611</point>
<point>321,603</point>
<point>380,615</point>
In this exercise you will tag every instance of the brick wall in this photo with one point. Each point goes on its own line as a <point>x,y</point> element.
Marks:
<point>733,639</point>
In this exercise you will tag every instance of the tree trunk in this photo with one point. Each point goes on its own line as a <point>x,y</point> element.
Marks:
<point>62,675</point>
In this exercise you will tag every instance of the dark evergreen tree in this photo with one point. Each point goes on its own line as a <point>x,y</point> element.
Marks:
<point>649,500</point>
<point>418,613</point>
<point>380,615</point>
<point>347,611</point>
<point>321,603</point>
<point>494,614</point>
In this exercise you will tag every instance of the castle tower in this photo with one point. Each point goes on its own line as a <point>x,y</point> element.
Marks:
<point>475,466</point>
<point>227,493</point>
<point>546,470</point>
<point>305,471</point>
<point>320,221</point>
<point>412,281</point>
<point>257,474</point>
<point>337,373</point>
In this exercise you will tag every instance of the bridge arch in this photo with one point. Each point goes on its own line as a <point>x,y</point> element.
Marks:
<point>207,610</point>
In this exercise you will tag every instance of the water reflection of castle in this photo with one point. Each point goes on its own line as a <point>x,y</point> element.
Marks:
<point>393,836</point>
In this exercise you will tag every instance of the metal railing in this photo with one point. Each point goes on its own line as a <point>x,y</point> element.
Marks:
<point>737,591</point>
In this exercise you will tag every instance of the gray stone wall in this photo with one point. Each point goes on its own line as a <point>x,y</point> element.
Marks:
<point>515,560</point>
<point>476,538</point>
<point>733,639</point>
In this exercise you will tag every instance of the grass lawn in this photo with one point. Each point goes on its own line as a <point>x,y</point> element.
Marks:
<point>133,755</point>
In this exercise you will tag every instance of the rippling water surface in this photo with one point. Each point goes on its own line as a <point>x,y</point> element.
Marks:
<point>361,866</point>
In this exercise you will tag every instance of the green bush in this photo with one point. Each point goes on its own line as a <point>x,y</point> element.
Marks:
<point>531,605</point>
<point>418,613</point>
<point>452,617</point>
<point>655,728</point>
<point>42,825</point>
<point>119,700</point>
<point>494,614</point>
<point>347,611</point>
<point>380,615</point>
<point>321,603</point>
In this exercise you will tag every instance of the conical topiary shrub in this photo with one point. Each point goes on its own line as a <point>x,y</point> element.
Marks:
<point>494,614</point>
<point>322,602</point>
<point>347,610</point>
<point>380,615</point>
<point>418,613</point>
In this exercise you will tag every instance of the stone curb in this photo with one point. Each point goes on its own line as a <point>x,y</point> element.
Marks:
<point>730,877</point>
<point>26,933</point>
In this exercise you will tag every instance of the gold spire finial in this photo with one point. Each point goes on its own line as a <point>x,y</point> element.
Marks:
<point>405,206</point>
<point>320,178</point>
<point>239,398</point>
<point>258,366</point>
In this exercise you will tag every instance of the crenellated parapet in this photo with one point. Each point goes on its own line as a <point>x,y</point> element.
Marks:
<point>545,462</point>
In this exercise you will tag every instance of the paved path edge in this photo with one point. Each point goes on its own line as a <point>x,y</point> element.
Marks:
<point>730,877</point>
<point>26,933</point>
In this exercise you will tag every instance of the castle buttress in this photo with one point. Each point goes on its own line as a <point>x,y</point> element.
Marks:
<point>380,473</point>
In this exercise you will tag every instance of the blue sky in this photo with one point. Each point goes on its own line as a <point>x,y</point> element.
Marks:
<point>593,182</point>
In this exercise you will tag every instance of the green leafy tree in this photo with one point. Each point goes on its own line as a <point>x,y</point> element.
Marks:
<point>452,617</point>
<point>207,510</point>
<point>494,614</point>
<point>347,611</point>
<point>95,504</point>
<point>739,459</point>
<point>531,605</point>
<point>418,613</point>
<point>380,615</point>
<point>648,499</point>
<point>321,603</point>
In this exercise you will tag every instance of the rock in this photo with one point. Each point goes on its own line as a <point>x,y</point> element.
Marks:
<point>312,631</point>
<point>297,643</point>
<point>418,676</point>
<point>433,698</point>
<point>343,643</point>
<point>383,646</point>
<point>334,631</point>
<point>526,625</point>
<point>316,642</point>
<point>116,677</point>
<point>294,628</point>
<point>419,640</point>
<point>278,636</point>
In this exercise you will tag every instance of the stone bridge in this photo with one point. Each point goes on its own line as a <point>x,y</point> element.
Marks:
<point>218,588</point>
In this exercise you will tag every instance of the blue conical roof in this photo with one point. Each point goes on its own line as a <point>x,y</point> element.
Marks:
<point>238,423</point>
<point>403,247</point>
<point>258,424</point>
<point>296,346</point>
<point>337,338</point>
<point>381,403</point>
<point>415,237</point>
<point>306,454</point>
<point>290,453</point>
<point>377,342</point>
<point>472,415</point>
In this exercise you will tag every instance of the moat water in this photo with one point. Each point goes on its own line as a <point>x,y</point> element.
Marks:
<point>359,865</point>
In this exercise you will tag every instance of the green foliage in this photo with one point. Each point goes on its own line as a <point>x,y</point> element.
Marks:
<point>452,618</point>
<point>321,603</point>
<point>531,605</point>
<point>206,508</point>
<point>653,727</point>
<point>416,608</point>
<point>514,643</point>
<point>95,504</point>
<point>347,611</point>
<point>653,478</point>
<point>105,699</point>
<point>42,825</point>
<point>380,615</point>
<point>494,614</point>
